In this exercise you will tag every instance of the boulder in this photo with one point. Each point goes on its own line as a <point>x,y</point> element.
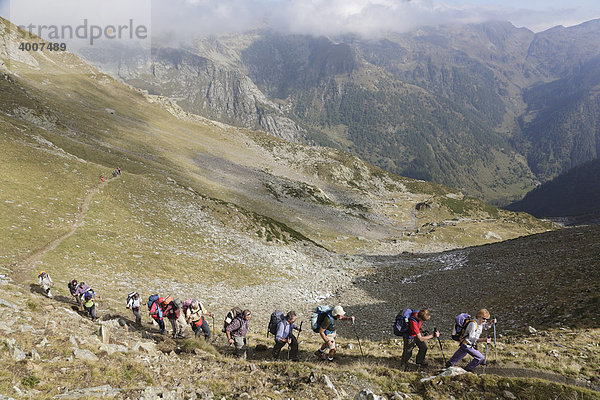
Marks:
<point>113,348</point>
<point>35,355</point>
<point>366,394</point>
<point>330,385</point>
<point>532,330</point>
<point>145,347</point>
<point>85,355</point>
<point>509,395</point>
<point>104,333</point>
<point>101,392</point>
<point>452,371</point>
<point>15,352</point>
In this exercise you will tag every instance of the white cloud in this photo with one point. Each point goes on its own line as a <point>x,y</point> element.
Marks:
<point>185,18</point>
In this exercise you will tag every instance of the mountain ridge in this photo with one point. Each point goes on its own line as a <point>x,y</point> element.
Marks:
<point>473,75</point>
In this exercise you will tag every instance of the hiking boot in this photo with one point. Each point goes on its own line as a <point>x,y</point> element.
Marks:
<point>448,365</point>
<point>469,370</point>
<point>330,359</point>
<point>320,354</point>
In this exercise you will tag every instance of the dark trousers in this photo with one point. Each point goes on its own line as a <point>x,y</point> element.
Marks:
<point>91,310</point>
<point>293,348</point>
<point>201,329</point>
<point>409,345</point>
<point>161,324</point>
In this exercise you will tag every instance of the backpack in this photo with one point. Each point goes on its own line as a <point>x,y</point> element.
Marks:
<point>276,318</point>
<point>130,297</point>
<point>460,323</point>
<point>401,324</point>
<point>186,304</point>
<point>316,317</point>
<point>88,295</point>
<point>231,315</point>
<point>151,300</point>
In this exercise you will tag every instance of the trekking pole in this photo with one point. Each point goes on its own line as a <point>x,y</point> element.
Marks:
<point>213,331</point>
<point>495,348</point>
<point>356,333</point>
<point>440,342</point>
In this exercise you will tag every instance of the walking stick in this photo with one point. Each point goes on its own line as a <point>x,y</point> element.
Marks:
<point>213,330</point>
<point>495,348</point>
<point>356,333</point>
<point>440,342</point>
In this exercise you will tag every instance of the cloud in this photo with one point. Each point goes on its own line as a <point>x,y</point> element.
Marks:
<point>182,19</point>
<point>362,17</point>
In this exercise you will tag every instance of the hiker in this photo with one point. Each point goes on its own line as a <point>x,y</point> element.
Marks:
<point>72,285</point>
<point>102,177</point>
<point>231,314</point>
<point>172,310</point>
<point>45,282</point>
<point>134,304</point>
<point>236,332</point>
<point>81,290</point>
<point>194,315</point>
<point>285,336</point>
<point>413,337</point>
<point>119,170</point>
<point>156,312</point>
<point>114,173</point>
<point>327,329</point>
<point>89,303</point>
<point>469,337</point>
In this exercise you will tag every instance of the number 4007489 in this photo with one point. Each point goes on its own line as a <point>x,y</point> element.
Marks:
<point>26,46</point>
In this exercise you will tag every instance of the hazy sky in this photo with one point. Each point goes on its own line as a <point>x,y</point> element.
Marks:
<point>329,17</point>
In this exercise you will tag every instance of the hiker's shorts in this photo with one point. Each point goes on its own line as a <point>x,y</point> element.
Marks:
<point>331,337</point>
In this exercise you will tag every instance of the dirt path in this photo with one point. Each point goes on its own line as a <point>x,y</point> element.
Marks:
<point>22,269</point>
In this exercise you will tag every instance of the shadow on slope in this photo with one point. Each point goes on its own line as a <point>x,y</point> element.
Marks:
<point>545,280</point>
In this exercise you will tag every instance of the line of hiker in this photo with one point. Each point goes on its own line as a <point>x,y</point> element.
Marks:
<point>466,330</point>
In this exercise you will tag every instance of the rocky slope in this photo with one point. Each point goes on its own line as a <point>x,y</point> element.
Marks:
<point>52,351</point>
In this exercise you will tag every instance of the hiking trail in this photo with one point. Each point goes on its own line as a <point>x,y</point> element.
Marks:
<point>23,268</point>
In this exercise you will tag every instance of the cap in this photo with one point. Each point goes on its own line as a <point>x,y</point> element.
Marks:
<point>338,310</point>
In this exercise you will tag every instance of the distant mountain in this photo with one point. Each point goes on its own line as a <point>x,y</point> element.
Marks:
<point>575,193</point>
<point>479,107</point>
<point>228,182</point>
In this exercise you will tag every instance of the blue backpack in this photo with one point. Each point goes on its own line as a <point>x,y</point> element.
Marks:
<point>315,317</point>
<point>151,300</point>
<point>401,324</point>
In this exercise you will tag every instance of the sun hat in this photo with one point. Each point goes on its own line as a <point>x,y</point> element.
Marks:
<point>338,310</point>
